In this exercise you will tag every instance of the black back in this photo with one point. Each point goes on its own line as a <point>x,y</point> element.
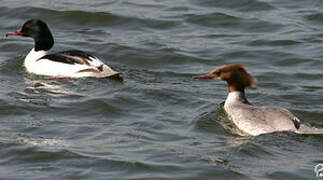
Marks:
<point>78,53</point>
<point>69,57</point>
<point>59,58</point>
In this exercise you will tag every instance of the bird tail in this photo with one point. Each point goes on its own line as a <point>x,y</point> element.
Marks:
<point>304,129</point>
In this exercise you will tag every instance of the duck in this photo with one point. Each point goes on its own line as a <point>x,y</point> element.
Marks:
<point>66,64</point>
<point>254,120</point>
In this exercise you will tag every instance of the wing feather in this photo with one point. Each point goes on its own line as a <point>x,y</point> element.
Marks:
<point>70,57</point>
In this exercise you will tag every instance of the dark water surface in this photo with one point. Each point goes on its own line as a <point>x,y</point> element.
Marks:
<point>159,123</point>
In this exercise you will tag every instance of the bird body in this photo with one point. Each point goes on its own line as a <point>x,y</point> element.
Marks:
<point>253,119</point>
<point>73,63</point>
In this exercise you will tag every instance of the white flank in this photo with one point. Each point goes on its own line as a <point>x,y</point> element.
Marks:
<point>47,67</point>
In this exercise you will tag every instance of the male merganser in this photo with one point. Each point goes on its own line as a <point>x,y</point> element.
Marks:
<point>72,63</point>
<point>252,119</point>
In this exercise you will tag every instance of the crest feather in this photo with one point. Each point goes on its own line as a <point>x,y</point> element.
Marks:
<point>239,73</point>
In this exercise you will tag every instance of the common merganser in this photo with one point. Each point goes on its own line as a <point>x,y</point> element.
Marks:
<point>73,63</point>
<point>252,119</point>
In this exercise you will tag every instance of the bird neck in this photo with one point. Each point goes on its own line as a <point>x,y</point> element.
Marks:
<point>44,43</point>
<point>235,86</point>
<point>43,40</point>
<point>236,97</point>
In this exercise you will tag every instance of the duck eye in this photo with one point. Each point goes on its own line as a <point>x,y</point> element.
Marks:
<point>218,73</point>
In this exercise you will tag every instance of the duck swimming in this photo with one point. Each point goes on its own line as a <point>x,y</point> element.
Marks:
<point>73,63</point>
<point>252,119</point>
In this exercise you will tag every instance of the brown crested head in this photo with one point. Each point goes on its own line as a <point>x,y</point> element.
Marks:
<point>234,74</point>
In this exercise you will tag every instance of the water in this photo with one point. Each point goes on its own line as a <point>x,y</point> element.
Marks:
<point>159,123</point>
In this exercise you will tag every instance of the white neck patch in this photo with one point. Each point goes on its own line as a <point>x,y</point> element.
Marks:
<point>236,97</point>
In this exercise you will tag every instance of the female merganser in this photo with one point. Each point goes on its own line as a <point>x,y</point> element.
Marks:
<point>72,63</point>
<point>251,119</point>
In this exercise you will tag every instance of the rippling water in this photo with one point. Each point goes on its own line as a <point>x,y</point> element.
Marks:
<point>159,123</point>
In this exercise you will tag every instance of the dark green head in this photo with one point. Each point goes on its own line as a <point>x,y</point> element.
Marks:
<point>39,31</point>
